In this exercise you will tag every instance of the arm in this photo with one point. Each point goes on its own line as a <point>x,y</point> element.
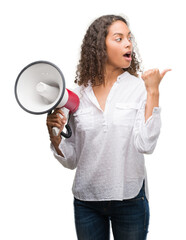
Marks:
<point>148,122</point>
<point>152,79</point>
<point>54,120</point>
<point>63,149</point>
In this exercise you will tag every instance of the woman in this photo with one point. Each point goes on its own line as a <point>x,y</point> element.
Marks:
<point>118,121</point>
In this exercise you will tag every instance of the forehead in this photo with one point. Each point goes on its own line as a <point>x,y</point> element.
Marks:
<point>118,27</point>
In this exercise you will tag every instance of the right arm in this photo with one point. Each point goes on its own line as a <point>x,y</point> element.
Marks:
<point>54,120</point>
<point>63,149</point>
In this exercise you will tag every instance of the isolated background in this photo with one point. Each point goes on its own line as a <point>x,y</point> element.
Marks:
<point>35,190</point>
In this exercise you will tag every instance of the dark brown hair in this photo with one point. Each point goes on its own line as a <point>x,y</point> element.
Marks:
<point>93,53</point>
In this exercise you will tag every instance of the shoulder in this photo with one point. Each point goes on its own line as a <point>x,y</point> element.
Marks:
<point>137,85</point>
<point>133,80</point>
<point>79,90</point>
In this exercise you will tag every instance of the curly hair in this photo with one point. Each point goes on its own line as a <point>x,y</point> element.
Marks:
<point>93,53</point>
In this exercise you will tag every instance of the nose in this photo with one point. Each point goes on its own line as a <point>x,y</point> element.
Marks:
<point>127,43</point>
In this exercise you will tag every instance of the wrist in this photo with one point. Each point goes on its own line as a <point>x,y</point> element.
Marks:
<point>152,98</point>
<point>153,92</point>
<point>55,141</point>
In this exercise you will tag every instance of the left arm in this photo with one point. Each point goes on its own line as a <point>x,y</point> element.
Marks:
<point>148,123</point>
<point>152,79</point>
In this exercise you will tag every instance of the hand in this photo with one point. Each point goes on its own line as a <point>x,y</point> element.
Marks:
<point>152,78</point>
<point>54,120</point>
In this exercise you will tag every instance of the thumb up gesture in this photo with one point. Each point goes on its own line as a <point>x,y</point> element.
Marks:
<point>152,78</point>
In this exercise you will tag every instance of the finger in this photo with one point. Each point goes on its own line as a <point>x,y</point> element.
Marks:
<point>59,126</point>
<point>55,122</point>
<point>56,117</point>
<point>60,115</point>
<point>59,111</point>
<point>61,118</point>
<point>147,73</point>
<point>164,72</point>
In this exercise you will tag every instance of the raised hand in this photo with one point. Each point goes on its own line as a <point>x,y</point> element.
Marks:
<point>152,78</point>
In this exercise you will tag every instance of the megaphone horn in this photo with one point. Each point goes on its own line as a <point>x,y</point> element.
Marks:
<point>40,88</point>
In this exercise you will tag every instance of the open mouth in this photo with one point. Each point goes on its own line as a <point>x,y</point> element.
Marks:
<point>128,56</point>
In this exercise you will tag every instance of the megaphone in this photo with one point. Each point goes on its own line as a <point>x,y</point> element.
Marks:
<point>40,88</point>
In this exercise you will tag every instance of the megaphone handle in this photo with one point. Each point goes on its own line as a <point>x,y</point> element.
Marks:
<point>55,130</point>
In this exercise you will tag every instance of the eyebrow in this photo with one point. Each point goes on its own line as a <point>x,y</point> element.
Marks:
<point>121,34</point>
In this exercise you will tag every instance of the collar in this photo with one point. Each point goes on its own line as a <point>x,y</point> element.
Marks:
<point>122,76</point>
<point>119,78</point>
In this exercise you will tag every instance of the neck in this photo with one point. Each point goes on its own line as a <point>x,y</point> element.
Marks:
<point>111,75</point>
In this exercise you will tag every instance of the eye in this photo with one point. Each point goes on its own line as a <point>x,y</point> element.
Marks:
<point>130,38</point>
<point>118,39</point>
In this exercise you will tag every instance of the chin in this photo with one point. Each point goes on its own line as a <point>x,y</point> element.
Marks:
<point>126,66</point>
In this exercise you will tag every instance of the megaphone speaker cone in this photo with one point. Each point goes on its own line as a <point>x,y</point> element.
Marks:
<point>40,87</point>
<point>49,93</point>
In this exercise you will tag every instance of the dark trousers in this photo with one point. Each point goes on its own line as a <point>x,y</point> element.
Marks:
<point>129,218</point>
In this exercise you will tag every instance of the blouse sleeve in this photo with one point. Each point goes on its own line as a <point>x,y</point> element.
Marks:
<point>67,147</point>
<point>146,133</point>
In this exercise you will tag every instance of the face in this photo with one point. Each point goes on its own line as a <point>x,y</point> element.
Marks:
<point>119,46</point>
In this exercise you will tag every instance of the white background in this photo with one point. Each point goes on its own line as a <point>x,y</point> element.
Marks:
<point>35,190</point>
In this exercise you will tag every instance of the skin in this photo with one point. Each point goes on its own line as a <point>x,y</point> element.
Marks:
<point>54,120</point>
<point>118,42</point>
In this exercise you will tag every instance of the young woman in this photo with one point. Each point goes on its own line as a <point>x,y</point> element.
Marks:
<point>118,121</point>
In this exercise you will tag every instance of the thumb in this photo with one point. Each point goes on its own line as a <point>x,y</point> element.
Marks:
<point>164,72</point>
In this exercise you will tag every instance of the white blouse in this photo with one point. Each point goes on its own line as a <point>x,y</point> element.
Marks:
<point>107,147</point>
